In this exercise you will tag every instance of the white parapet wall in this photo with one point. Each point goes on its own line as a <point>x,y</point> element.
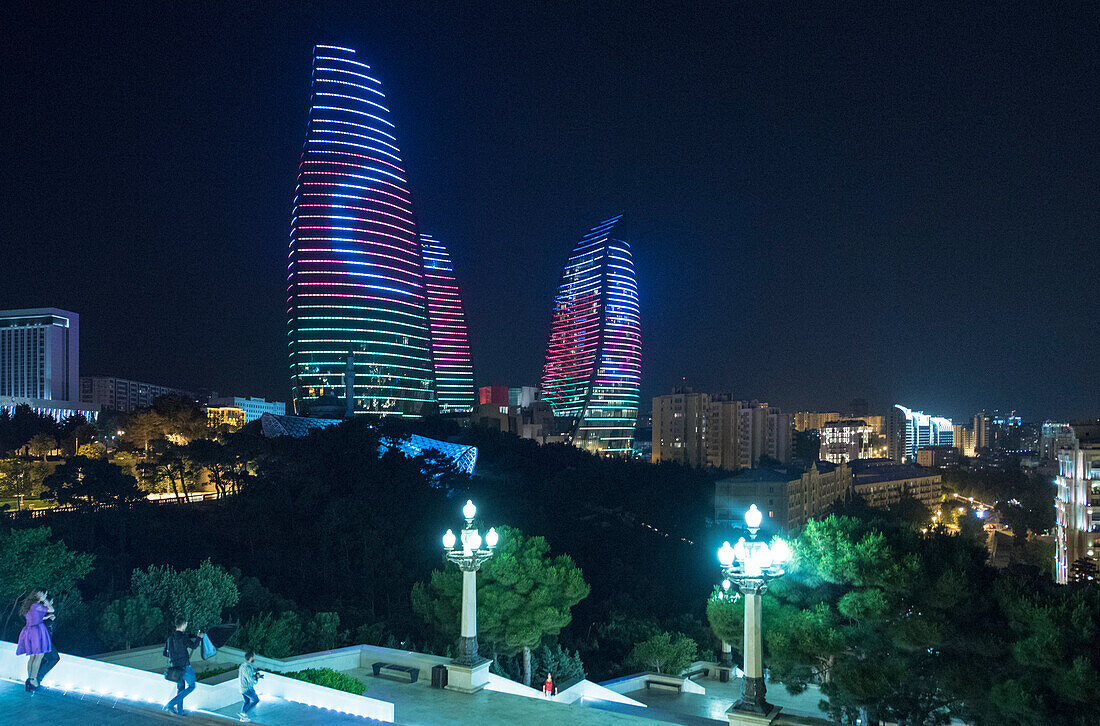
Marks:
<point>140,684</point>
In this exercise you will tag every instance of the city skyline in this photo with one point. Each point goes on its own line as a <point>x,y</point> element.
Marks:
<point>798,198</point>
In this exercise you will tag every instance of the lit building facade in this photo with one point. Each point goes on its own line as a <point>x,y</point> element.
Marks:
<point>121,394</point>
<point>454,372</point>
<point>810,421</point>
<point>908,430</point>
<point>1077,502</point>
<point>680,427</point>
<point>230,416</point>
<point>253,408</point>
<point>846,440</point>
<point>786,499</point>
<point>40,354</point>
<point>884,483</point>
<point>1054,437</point>
<point>962,437</point>
<point>40,362</point>
<point>593,359</point>
<point>355,273</point>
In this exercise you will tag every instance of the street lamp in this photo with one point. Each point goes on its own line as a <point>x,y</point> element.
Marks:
<point>466,551</point>
<point>748,566</point>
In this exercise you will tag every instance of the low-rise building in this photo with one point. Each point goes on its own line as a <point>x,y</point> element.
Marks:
<point>122,394</point>
<point>230,416</point>
<point>789,500</point>
<point>937,457</point>
<point>253,407</point>
<point>883,482</point>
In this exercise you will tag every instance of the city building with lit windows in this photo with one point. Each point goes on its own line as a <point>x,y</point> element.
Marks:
<point>355,274</point>
<point>122,394</point>
<point>593,358</point>
<point>680,427</point>
<point>1077,502</point>
<point>454,373</point>
<point>846,440</point>
<point>40,362</point>
<point>908,430</point>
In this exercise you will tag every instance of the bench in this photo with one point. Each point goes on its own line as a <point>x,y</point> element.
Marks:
<point>697,672</point>
<point>395,672</point>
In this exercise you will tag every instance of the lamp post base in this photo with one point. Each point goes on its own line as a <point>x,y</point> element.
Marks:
<point>467,678</point>
<point>738,717</point>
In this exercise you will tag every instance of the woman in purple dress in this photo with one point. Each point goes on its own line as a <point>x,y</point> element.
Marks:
<point>34,638</point>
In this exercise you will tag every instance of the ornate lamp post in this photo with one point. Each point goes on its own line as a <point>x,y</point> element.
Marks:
<point>748,566</point>
<point>466,552</point>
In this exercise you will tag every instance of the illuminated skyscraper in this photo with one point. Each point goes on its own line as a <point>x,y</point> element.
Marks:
<point>454,374</point>
<point>907,431</point>
<point>355,282</point>
<point>593,359</point>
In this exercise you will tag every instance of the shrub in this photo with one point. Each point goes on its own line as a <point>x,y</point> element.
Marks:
<point>664,653</point>
<point>329,679</point>
<point>211,672</point>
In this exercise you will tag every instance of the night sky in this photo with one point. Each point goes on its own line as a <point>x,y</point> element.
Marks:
<point>899,202</point>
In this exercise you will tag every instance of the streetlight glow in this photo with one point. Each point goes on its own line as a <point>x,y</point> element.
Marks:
<point>465,551</point>
<point>449,540</point>
<point>491,537</point>
<point>753,518</point>
<point>469,510</point>
<point>725,555</point>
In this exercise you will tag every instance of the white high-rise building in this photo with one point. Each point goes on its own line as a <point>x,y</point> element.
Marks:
<point>40,361</point>
<point>908,430</point>
<point>1077,503</point>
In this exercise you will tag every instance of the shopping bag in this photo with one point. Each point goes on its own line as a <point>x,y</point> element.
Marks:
<point>208,649</point>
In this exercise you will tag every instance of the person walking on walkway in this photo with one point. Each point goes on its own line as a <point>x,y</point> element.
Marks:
<point>34,638</point>
<point>247,675</point>
<point>178,649</point>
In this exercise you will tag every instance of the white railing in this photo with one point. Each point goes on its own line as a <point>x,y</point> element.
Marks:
<point>88,676</point>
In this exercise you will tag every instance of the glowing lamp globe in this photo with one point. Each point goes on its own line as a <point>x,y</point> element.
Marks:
<point>449,539</point>
<point>725,554</point>
<point>740,551</point>
<point>753,517</point>
<point>491,537</point>
<point>474,540</point>
<point>781,551</point>
<point>469,510</point>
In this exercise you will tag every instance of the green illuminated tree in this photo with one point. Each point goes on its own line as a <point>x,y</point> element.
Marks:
<point>199,595</point>
<point>130,620</point>
<point>523,595</point>
<point>41,445</point>
<point>29,559</point>
<point>664,653</point>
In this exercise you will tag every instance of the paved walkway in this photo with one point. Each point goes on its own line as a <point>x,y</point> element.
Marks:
<point>59,707</point>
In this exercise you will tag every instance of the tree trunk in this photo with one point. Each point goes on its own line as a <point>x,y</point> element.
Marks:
<point>527,666</point>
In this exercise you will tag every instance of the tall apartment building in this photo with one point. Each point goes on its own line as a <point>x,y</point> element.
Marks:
<point>40,362</point>
<point>680,427</point>
<point>908,430</point>
<point>1053,437</point>
<point>810,421</point>
<point>983,431</point>
<point>1077,503</point>
<point>121,394</point>
<point>962,438</point>
<point>846,440</point>
<point>718,431</point>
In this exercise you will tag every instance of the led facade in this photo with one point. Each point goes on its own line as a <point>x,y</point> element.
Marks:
<point>593,359</point>
<point>911,430</point>
<point>454,373</point>
<point>355,282</point>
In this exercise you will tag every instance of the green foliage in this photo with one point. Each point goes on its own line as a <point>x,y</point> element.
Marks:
<point>211,672</point>
<point>664,653</point>
<point>19,476</point>
<point>81,481</point>
<point>41,445</point>
<point>563,664</point>
<point>726,615</point>
<point>289,634</point>
<point>199,595</point>
<point>29,559</point>
<point>130,620</point>
<point>523,595</point>
<point>329,678</point>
